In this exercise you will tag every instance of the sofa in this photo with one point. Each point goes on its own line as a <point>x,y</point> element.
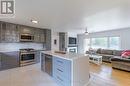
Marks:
<point>121,63</point>
<point>105,53</point>
<point>113,57</point>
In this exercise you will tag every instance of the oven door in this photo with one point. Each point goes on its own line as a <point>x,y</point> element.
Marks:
<point>27,57</point>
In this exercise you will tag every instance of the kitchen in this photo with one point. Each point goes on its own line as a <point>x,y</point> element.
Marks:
<point>22,46</point>
<point>18,42</point>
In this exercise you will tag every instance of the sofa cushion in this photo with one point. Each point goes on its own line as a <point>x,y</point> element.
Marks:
<point>117,52</point>
<point>98,51</point>
<point>105,51</point>
<point>120,59</point>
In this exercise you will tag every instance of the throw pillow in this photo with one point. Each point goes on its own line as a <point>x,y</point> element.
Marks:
<point>126,54</point>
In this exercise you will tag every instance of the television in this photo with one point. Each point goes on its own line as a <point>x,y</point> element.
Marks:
<point>72,40</point>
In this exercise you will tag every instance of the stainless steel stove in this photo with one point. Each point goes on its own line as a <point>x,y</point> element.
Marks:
<point>27,56</point>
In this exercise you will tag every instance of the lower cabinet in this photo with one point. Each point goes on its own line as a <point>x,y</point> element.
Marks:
<point>62,71</point>
<point>0,62</point>
<point>9,60</point>
<point>37,56</point>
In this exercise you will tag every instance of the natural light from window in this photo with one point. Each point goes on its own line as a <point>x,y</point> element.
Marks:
<point>102,42</point>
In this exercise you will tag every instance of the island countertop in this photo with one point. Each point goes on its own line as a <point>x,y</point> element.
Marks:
<point>67,56</point>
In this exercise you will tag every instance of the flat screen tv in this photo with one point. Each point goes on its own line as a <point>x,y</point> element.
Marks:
<point>72,40</point>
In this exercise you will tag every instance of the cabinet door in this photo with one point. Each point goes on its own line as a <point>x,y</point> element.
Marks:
<point>9,33</point>
<point>0,30</point>
<point>0,62</point>
<point>62,71</point>
<point>42,36</point>
<point>48,39</point>
<point>10,60</point>
<point>37,56</point>
<point>43,62</point>
<point>14,33</point>
<point>62,41</point>
<point>26,30</point>
<point>37,35</point>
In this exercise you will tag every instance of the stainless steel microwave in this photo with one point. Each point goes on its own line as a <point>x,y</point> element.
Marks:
<point>26,37</point>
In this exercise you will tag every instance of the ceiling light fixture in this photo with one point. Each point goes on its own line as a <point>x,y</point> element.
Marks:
<point>34,21</point>
<point>86,31</point>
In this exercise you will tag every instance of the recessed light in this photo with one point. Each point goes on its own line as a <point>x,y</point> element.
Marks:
<point>34,21</point>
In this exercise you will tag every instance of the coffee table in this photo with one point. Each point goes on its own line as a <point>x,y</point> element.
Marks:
<point>95,59</point>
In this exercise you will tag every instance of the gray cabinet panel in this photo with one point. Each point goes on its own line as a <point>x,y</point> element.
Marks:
<point>48,39</point>
<point>9,60</point>
<point>0,62</point>
<point>26,30</point>
<point>42,36</point>
<point>62,41</point>
<point>39,35</point>
<point>37,56</point>
<point>0,30</point>
<point>9,32</point>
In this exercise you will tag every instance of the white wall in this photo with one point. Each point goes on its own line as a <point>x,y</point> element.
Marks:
<point>55,36</point>
<point>123,33</point>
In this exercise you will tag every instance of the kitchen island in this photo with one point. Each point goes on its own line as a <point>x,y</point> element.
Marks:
<point>68,69</point>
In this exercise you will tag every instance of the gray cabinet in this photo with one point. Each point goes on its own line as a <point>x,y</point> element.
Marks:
<point>37,56</point>
<point>48,39</point>
<point>62,41</point>
<point>0,30</point>
<point>9,60</point>
<point>42,36</point>
<point>0,62</point>
<point>9,32</point>
<point>26,30</point>
<point>39,35</point>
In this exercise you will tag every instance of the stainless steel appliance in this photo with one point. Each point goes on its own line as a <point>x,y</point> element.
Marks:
<point>26,37</point>
<point>27,56</point>
<point>48,64</point>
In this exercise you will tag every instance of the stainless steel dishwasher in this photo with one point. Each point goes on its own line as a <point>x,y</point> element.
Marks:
<point>48,64</point>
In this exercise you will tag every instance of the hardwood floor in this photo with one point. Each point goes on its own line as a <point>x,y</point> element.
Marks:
<point>104,75</point>
<point>32,75</point>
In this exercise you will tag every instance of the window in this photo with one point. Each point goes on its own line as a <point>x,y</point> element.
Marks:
<point>114,42</point>
<point>99,42</point>
<point>102,42</point>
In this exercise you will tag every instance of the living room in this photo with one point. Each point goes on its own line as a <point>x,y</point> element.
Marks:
<point>109,53</point>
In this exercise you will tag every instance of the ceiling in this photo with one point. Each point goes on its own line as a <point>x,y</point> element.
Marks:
<point>73,15</point>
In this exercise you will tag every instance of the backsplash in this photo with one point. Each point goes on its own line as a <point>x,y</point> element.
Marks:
<point>7,47</point>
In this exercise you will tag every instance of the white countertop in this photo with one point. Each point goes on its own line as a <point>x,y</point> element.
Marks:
<point>68,56</point>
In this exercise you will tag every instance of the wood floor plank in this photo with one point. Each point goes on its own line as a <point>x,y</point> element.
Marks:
<point>104,75</point>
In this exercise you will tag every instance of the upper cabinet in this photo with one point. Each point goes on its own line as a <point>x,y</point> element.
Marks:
<point>48,39</point>
<point>63,41</point>
<point>9,32</point>
<point>39,35</point>
<point>26,30</point>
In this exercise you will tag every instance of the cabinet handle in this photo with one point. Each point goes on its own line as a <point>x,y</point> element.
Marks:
<point>60,79</point>
<point>60,61</point>
<point>59,70</point>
